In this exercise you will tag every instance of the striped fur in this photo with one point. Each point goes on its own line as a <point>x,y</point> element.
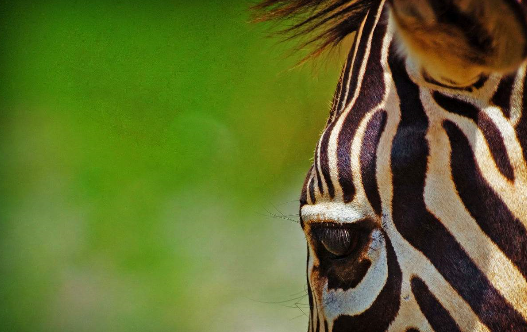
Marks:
<point>427,183</point>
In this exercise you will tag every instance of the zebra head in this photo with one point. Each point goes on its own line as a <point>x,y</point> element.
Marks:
<point>414,209</point>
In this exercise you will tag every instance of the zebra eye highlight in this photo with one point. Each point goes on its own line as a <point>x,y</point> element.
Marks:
<point>340,242</point>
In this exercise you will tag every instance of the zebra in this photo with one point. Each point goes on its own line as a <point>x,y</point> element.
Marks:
<point>415,207</point>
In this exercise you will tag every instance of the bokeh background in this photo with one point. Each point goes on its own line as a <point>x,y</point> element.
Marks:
<point>152,154</point>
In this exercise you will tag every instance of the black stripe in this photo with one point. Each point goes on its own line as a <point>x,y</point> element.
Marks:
<point>312,190</point>
<point>484,205</point>
<point>317,329</point>
<point>502,97</point>
<point>337,95</point>
<point>490,131</point>
<point>315,308</point>
<point>324,159</point>
<point>496,144</point>
<point>521,128</point>
<point>309,295</point>
<point>317,166</point>
<point>344,277</point>
<point>480,82</point>
<point>420,228</point>
<point>438,317</point>
<point>305,188</point>
<point>368,158</point>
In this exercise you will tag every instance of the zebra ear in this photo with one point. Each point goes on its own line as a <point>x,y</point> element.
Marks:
<point>456,41</point>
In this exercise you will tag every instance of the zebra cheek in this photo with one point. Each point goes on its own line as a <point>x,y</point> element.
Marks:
<point>343,286</point>
<point>352,301</point>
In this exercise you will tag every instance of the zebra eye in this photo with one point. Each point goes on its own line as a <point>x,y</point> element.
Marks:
<point>340,242</point>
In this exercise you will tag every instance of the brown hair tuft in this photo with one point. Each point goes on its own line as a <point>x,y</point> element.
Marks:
<point>328,22</point>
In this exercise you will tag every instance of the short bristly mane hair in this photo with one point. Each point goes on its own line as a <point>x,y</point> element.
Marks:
<point>325,22</point>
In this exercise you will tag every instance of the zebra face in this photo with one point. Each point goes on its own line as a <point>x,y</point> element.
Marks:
<point>408,225</point>
<point>414,209</point>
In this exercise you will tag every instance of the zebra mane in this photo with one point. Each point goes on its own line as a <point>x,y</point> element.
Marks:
<point>327,22</point>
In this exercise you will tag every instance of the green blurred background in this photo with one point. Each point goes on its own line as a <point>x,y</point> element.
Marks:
<point>147,150</point>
